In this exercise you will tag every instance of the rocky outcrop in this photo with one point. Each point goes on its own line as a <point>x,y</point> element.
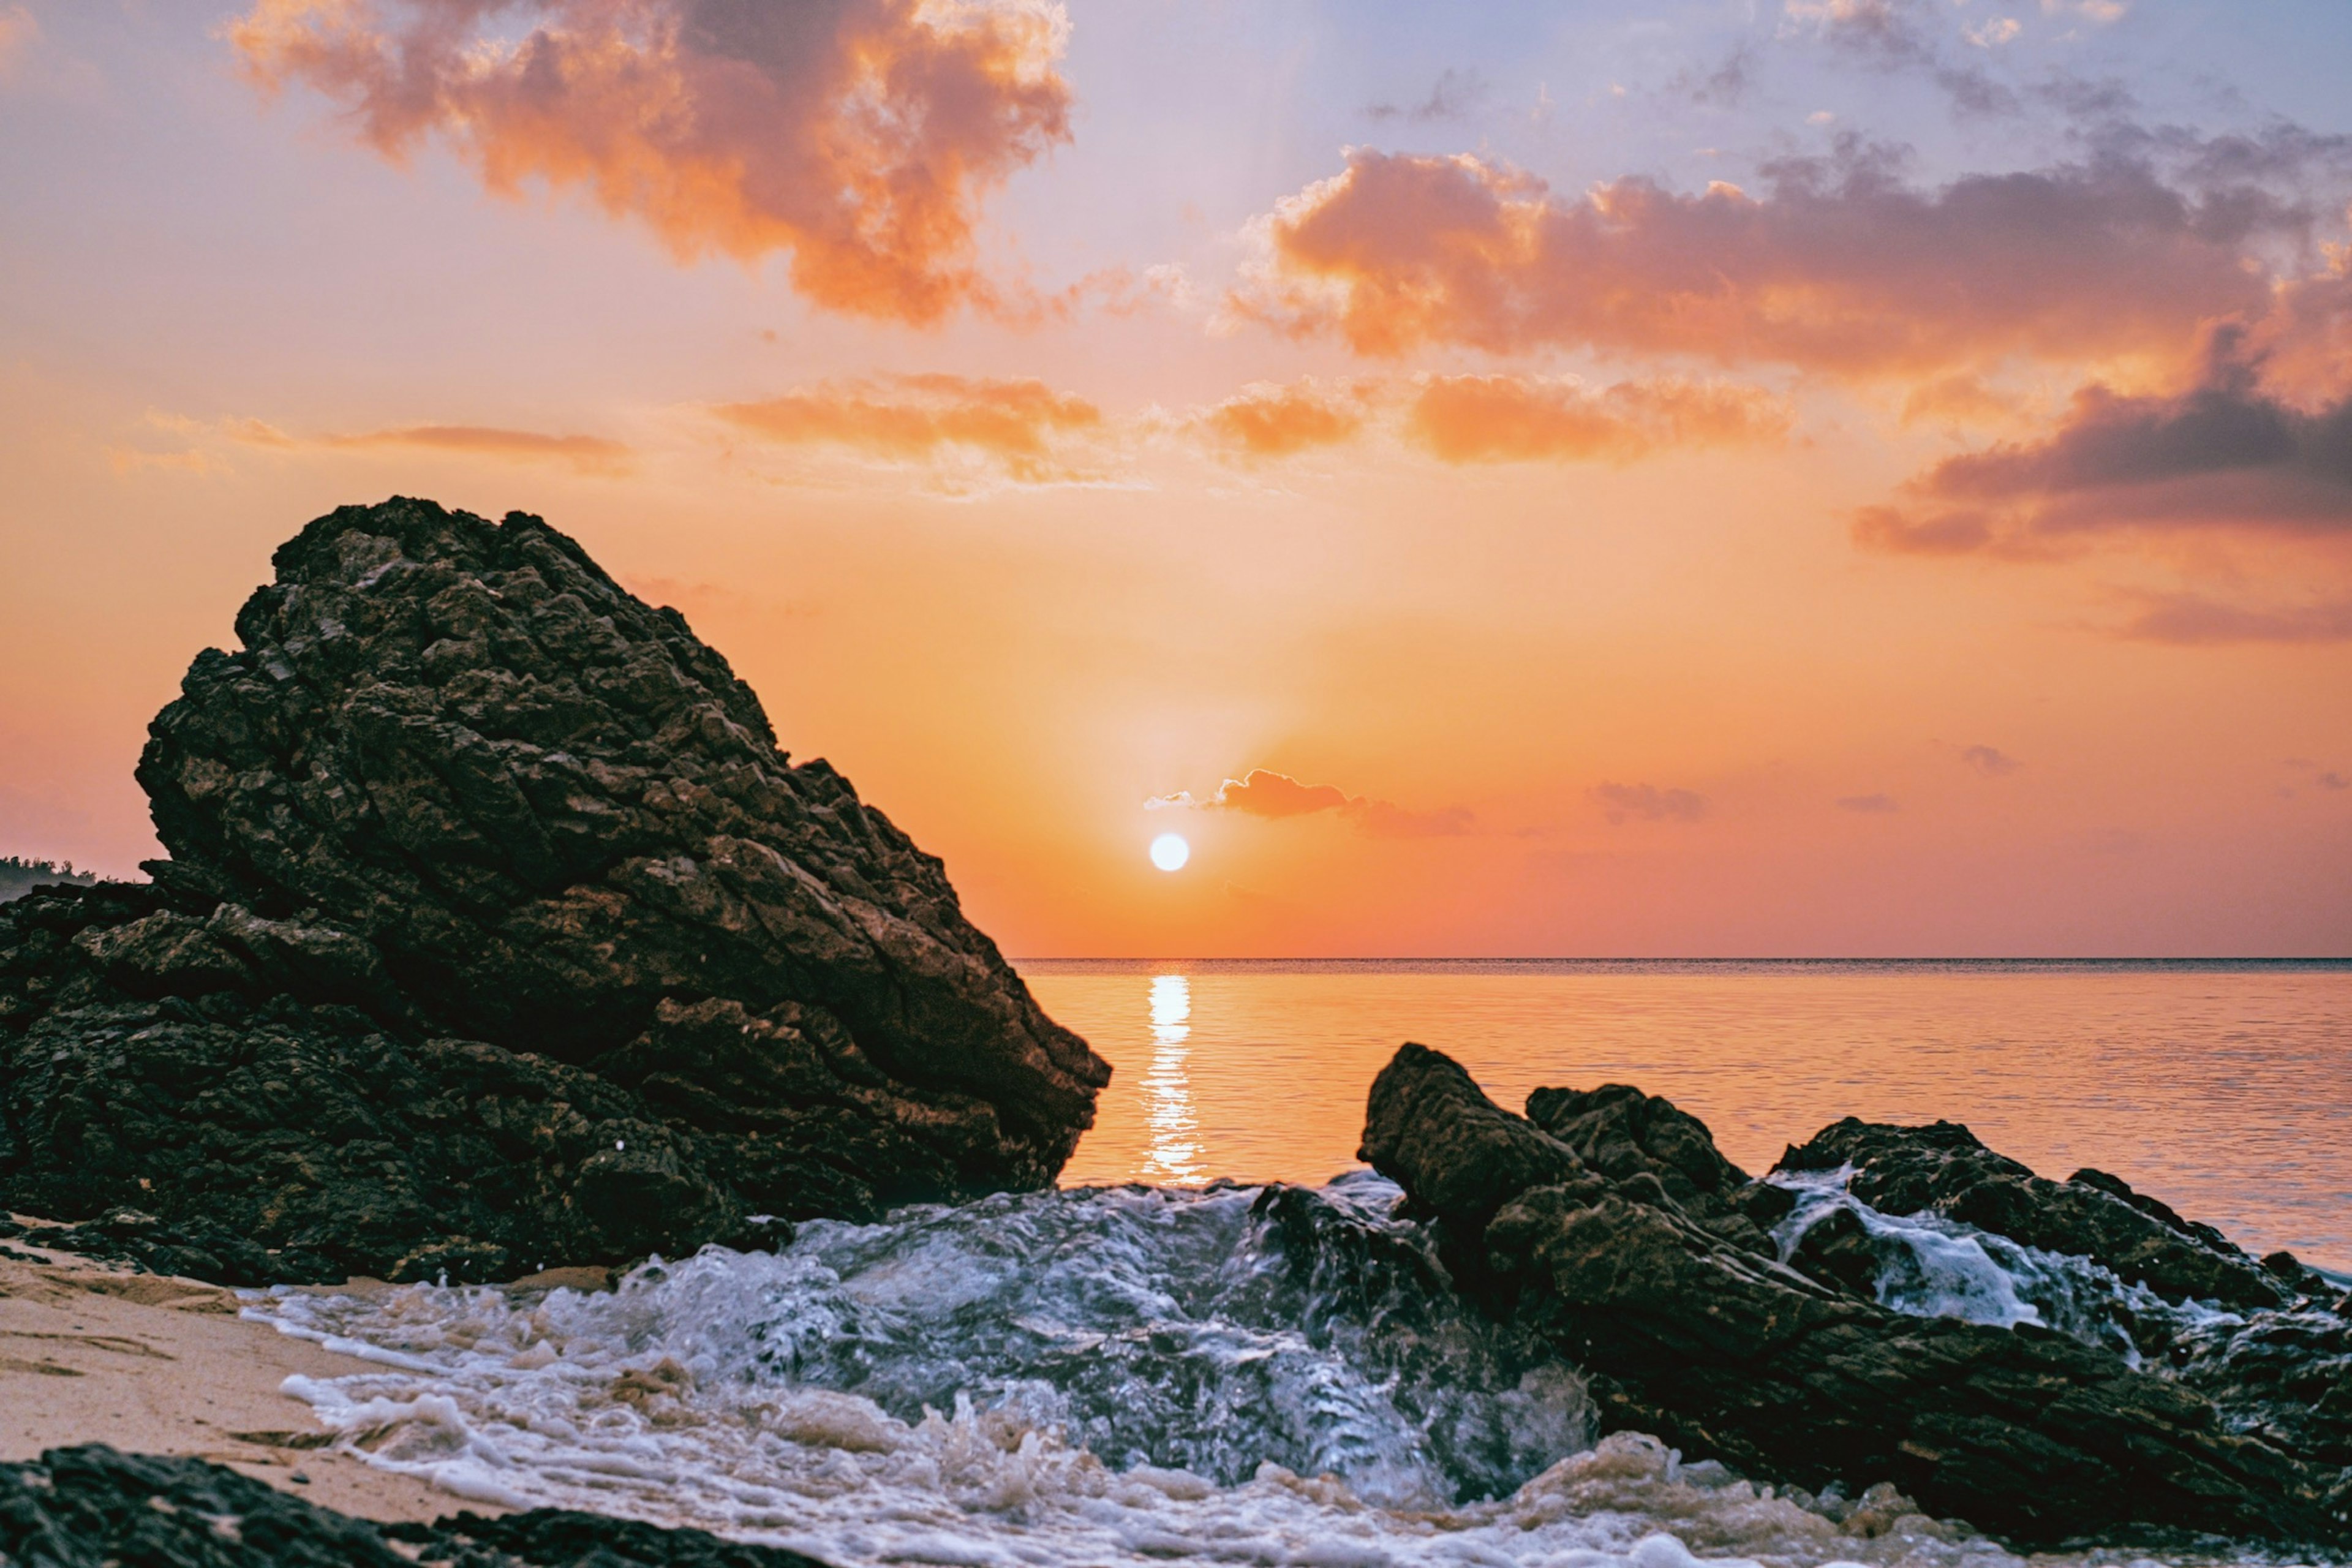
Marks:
<point>496,931</point>
<point>1943,1169</point>
<point>92,1507</point>
<point>1610,1221</point>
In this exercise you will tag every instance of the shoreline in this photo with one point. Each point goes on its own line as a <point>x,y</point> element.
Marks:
<point>155,1363</point>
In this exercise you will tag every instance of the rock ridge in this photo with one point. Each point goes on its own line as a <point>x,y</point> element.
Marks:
<point>1609,1221</point>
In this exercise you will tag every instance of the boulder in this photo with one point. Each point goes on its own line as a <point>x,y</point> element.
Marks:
<point>496,931</point>
<point>1642,1255</point>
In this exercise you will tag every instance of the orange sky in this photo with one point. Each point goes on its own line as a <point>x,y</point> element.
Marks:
<point>1850,478</point>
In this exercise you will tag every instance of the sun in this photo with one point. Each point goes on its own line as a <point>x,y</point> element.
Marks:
<point>1168,851</point>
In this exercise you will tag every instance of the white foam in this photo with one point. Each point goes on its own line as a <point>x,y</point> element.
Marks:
<point>1102,1379</point>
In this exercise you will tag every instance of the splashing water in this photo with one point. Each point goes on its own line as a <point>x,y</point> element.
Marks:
<point>1930,1266</point>
<point>1106,1377</point>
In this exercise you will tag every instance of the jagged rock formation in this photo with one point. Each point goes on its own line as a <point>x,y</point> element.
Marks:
<point>1610,1221</point>
<point>91,1507</point>
<point>1943,1169</point>
<point>496,931</point>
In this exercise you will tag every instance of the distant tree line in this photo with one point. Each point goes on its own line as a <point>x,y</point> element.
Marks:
<point>19,876</point>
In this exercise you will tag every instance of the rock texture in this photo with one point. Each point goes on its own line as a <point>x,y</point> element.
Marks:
<point>496,931</point>
<point>91,1507</point>
<point>1944,1170</point>
<point>1609,1220</point>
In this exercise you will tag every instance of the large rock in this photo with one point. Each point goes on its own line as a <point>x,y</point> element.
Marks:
<point>1650,1265</point>
<point>498,931</point>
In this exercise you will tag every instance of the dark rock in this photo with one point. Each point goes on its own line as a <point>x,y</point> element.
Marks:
<point>1688,1326</point>
<point>1430,1128</point>
<point>1944,1170</point>
<point>91,1507</point>
<point>498,934</point>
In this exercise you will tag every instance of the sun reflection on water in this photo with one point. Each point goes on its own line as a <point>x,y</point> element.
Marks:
<point>1175,1153</point>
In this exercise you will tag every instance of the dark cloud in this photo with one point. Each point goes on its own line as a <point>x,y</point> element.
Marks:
<point>1991,760</point>
<point>1264,792</point>
<point>2226,453</point>
<point>1456,94</point>
<point>1648,802</point>
<point>2332,781</point>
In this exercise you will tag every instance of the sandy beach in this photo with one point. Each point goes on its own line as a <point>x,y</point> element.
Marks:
<point>156,1365</point>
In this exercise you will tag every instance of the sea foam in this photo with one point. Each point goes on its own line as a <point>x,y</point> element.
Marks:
<point>1095,1376</point>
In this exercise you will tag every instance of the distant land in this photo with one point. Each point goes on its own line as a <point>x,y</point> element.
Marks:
<point>19,876</point>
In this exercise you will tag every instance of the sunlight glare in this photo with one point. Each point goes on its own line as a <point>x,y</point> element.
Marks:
<point>1168,851</point>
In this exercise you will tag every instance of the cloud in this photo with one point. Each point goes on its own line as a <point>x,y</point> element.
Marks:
<point>1839,265</point>
<point>18,30</point>
<point>2193,620</point>
<point>588,453</point>
<point>1868,805</point>
<point>1017,425</point>
<point>1991,760</point>
<point>1457,93</point>
<point>1895,35</point>
<point>1265,420</point>
<point>1264,792</point>
<point>858,135</point>
<point>1648,802</point>
<point>2226,453</point>
<point>2332,781</point>
<point>1506,418</point>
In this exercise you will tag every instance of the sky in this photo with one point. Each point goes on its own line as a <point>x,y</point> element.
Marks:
<point>1733,478</point>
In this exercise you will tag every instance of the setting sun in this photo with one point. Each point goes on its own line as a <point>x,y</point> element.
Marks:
<point>1169,851</point>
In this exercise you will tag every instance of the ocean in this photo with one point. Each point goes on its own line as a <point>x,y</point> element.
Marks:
<point>2224,1087</point>
<point>1163,1361</point>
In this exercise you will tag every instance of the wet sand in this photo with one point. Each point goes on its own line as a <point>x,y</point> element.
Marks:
<point>155,1364</point>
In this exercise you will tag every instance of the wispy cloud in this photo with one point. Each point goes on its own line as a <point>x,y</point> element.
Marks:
<point>1648,802</point>
<point>1456,95</point>
<point>587,454</point>
<point>1991,760</point>
<point>858,135</point>
<point>18,30</point>
<point>1264,792</point>
<point>1502,418</point>
<point>2193,620</point>
<point>1018,427</point>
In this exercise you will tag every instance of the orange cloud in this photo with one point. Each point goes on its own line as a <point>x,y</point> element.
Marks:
<point>1269,421</point>
<point>1264,792</point>
<point>1014,425</point>
<point>588,453</point>
<point>2227,453</point>
<point>1838,266</point>
<point>1501,418</point>
<point>858,135</point>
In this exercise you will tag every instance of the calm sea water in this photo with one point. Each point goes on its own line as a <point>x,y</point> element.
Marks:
<point>2224,1089</point>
